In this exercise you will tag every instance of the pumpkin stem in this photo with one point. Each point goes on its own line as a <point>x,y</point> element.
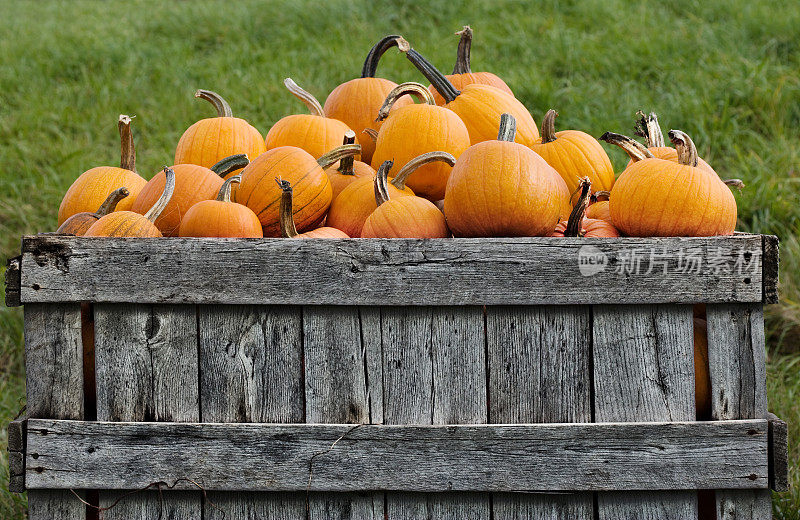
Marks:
<point>399,180</point>
<point>372,133</point>
<point>127,159</point>
<point>508,128</point>
<point>549,126</point>
<point>222,106</point>
<point>337,154</point>
<point>346,164</point>
<point>602,194</point>
<point>376,53</point>
<point>575,222</point>
<point>735,183</point>
<point>635,150</point>
<point>382,182</point>
<point>437,79</point>
<point>225,190</point>
<point>647,126</point>
<point>310,101</point>
<point>110,204</point>
<point>169,186</point>
<point>687,151</point>
<point>288,230</point>
<point>417,90</point>
<point>230,164</point>
<point>464,47</point>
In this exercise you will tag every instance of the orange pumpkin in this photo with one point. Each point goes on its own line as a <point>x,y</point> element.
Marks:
<point>79,223</point>
<point>580,226</point>
<point>312,132</point>
<point>288,229</point>
<point>478,106</point>
<point>503,189</point>
<point>658,197</point>
<point>702,375</point>
<point>598,209</point>
<point>416,129</point>
<point>209,140</point>
<point>407,216</point>
<point>462,73</point>
<point>132,224</point>
<point>356,102</point>
<point>221,217</point>
<point>93,186</point>
<point>349,169</point>
<point>647,126</point>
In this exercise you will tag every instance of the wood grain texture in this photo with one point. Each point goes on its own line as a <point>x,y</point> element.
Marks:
<point>778,454</point>
<point>489,271</point>
<point>12,282</point>
<point>539,360</point>
<point>643,371</point>
<point>771,256</point>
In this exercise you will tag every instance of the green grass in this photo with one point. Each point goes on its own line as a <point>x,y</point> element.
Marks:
<point>727,72</point>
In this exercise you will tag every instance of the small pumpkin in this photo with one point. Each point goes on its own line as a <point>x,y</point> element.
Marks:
<point>598,209</point>
<point>416,129</point>
<point>211,139</point>
<point>462,73</point>
<point>580,226</point>
<point>501,188</point>
<point>702,375</point>
<point>221,217</point>
<point>79,223</point>
<point>356,102</point>
<point>93,186</point>
<point>349,169</point>
<point>647,126</point>
<point>288,229</point>
<point>406,216</point>
<point>314,132</point>
<point>132,224</point>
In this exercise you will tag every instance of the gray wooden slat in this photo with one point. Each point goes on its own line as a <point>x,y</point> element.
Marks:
<point>146,366</point>
<point>472,457</point>
<point>539,360</point>
<point>251,364</point>
<point>54,380</point>
<point>778,454</point>
<point>771,256</point>
<point>489,271</point>
<point>12,282</point>
<point>737,364</point>
<point>643,371</point>
<point>16,455</point>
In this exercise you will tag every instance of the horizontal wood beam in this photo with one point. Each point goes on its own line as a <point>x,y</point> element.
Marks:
<point>500,271</point>
<point>346,457</point>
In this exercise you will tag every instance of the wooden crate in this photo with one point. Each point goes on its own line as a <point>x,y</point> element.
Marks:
<point>394,379</point>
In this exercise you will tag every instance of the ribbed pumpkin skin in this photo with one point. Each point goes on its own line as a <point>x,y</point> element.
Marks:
<point>259,192</point>
<point>123,224</point>
<point>599,210</point>
<point>471,78</point>
<point>659,198</point>
<point>93,186</point>
<point>192,184</point>
<point>314,134</point>
<point>406,217</point>
<point>356,103</point>
<point>209,140</point>
<point>323,232</point>
<point>480,108</point>
<point>416,129</point>
<point>78,224</point>
<point>339,182</point>
<point>355,204</point>
<point>671,154</point>
<point>575,154</point>
<point>216,218</point>
<point>702,376</point>
<point>590,228</point>
<point>502,189</point>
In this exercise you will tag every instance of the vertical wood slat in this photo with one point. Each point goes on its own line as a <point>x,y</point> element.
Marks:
<point>539,372</point>
<point>643,371</point>
<point>434,372</point>
<point>54,380</point>
<point>737,364</point>
<point>251,364</point>
<point>147,370</point>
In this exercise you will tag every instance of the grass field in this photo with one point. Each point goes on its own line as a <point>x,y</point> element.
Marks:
<point>725,71</point>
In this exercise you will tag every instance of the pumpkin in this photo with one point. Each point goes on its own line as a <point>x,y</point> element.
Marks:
<point>580,226</point>
<point>314,132</point>
<point>416,129</point>
<point>658,197</point>
<point>647,126</point>
<point>227,167</point>
<point>356,102</point>
<point>574,154</point>
<point>501,188</point>
<point>79,223</point>
<point>702,376</point>
<point>478,106</point>
<point>288,229</point>
<point>132,224</point>
<point>209,140</point>
<point>93,186</point>
<point>462,73</point>
<point>598,209</point>
<point>349,169</point>
<point>221,217</point>
<point>406,216</point>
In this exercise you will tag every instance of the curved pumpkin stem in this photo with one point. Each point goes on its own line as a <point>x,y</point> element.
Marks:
<point>337,154</point>
<point>399,180</point>
<point>437,79</point>
<point>508,128</point>
<point>310,101</point>
<point>687,151</point>
<point>735,183</point>
<point>635,150</point>
<point>346,164</point>
<point>417,90</point>
<point>549,126</point>
<point>575,222</point>
<point>222,106</point>
<point>127,159</point>
<point>376,53</point>
<point>169,187</point>
<point>372,133</point>
<point>288,230</point>
<point>110,204</point>
<point>230,164</point>
<point>602,194</point>
<point>225,190</point>
<point>647,126</point>
<point>464,47</point>
<point>382,182</point>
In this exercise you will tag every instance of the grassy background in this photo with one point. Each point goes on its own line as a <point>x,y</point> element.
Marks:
<point>725,71</point>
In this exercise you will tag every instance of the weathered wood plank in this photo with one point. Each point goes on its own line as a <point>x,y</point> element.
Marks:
<point>12,282</point>
<point>643,371</point>
<point>16,455</point>
<point>778,454</point>
<point>539,360</point>
<point>474,457</point>
<point>500,271</point>
<point>771,256</point>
